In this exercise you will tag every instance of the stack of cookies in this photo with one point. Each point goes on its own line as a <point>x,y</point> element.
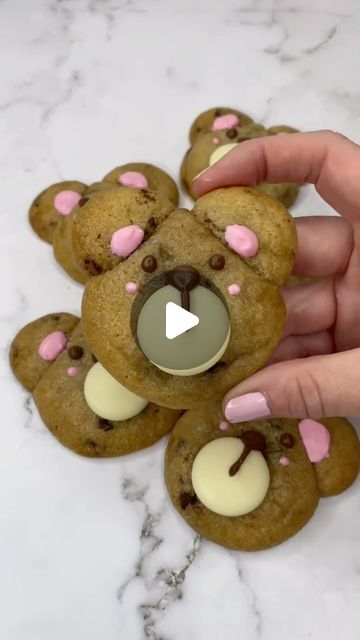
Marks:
<point>115,381</point>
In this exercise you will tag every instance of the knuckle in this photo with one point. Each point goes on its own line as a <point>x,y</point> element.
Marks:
<point>304,396</point>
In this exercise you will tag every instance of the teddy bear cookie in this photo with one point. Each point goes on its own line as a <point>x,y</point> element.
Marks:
<point>79,401</point>
<point>253,485</point>
<point>219,267</point>
<point>212,136</point>
<point>53,211</point>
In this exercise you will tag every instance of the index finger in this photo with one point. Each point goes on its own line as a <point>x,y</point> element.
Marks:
<point>326,159</point>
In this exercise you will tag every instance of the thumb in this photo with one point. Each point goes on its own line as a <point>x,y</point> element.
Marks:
<point>315,387</point>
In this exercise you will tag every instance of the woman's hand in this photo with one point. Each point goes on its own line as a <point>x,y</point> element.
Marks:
<point>315,371</point>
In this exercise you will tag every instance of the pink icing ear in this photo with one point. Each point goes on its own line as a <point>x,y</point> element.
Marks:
<point>65,201</point>
<point>125,240</point>
<point>242,240</point>
<point>225,122</point>
<point>52,345</point>
<point>316,439</point>
<point>133,179</point>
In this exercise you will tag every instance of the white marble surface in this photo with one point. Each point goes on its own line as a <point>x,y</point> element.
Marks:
<point>93,549</point>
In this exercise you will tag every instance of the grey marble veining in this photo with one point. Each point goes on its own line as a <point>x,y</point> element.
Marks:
<point>94,549</point>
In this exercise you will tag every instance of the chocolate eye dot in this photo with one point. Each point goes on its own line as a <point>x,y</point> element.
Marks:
<point>231,133</point>
<point>287,440</point>
<point>217,262</point>
<point>75,352</point>
<point>149,264</point>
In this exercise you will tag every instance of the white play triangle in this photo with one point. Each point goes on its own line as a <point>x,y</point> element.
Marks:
<point>178,320</point>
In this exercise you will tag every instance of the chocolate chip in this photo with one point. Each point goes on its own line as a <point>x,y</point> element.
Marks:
<point>217,113</point>
<point>92,267</point>
<point>186,499</point>
<point>148,196</point>
<point>287,440</point>
<point>76,352</point>
<point>217,262</point>
<point>105,425</point>
<point>231,133</point>
<point>149,264</point>
<point>55,318</point>
<point>82,201</point>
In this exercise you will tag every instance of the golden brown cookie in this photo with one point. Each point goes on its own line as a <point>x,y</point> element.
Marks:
<point>69,385</point>
<point>100,217</point>
<point>27,367</point>
<point>208,148</point>
<point>253,485</point>
<point>51,204</point>
<point>237,248</point>
<point>141,175</point>
<point>62,240</point>
<point>217,119</point>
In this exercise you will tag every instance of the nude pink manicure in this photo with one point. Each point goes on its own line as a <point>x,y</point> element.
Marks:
<point>250,406</point>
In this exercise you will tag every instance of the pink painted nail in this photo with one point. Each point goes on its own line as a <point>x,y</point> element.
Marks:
<point>250,406</point>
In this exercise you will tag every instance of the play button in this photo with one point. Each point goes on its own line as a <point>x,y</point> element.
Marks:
<point>178,320</point>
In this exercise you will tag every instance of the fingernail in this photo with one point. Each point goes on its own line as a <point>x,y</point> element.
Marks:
<point>250,406</point>
<point>200,174</point>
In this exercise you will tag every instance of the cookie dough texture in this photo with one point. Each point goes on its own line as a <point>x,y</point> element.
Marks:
<point>60,398</point>
<point>62,241</point>
<point>204,122</point>
<point>157,179</point>
<point>182,238</point>
<point>56,229</point>
<point>295,489</point>
<point>206,141</point>
<point>25,362</point>
<point>102,216</point>
<point>43,216</point>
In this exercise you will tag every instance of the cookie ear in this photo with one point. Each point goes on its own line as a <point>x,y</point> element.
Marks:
<point>51,204</point>
<point>38,344</point>
<point>112,225</point>
<point>142,175</point>
<point>333,447</point>
<point>217,119</point>
<point>256,227</point>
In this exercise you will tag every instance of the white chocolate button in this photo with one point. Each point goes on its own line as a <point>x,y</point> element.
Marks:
<point>220,152</point>
<point>224,494</point>
<point>108,398</point>
<point>194,351</point>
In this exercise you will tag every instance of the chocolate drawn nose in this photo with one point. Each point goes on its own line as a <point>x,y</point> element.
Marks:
<point>184,279</point>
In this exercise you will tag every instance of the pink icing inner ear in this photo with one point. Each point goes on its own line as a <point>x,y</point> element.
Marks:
<point>65,201</point>
<point>133,179</point>
<point>125,240</point>
<point>242,240</point>
<point>52,345</point>
<point>225,122</point>
<point>316,439</point>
